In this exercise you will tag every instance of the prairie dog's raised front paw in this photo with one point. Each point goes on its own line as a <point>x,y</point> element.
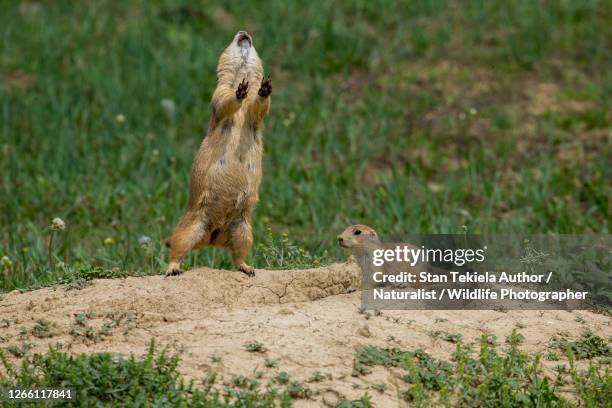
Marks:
<point>266,87</point>
<point>243,90</point>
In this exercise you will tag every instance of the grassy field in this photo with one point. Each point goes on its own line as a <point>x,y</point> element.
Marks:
<point>423,116</point>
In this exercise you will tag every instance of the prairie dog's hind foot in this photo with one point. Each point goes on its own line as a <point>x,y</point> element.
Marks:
<point>174,269</point>
<point>247,269</point>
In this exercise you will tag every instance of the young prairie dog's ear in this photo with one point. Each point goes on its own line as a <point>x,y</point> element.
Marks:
<point>369,231</point>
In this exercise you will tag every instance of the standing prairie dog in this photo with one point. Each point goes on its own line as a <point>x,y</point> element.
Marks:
<point>226,170</point>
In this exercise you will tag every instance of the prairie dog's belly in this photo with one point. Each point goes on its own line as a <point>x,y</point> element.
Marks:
<point>232,181</point>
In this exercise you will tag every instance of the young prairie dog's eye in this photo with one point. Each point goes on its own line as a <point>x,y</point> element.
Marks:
<point>357,232</point>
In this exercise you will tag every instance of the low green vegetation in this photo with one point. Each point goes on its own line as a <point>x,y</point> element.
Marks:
<point>255,347</point>
<point>102,379</point>
<point>42,329</point>
<point>589,346</point>
<point>472,378</point>
<point>152,380</point>
<point>450,337</point>
<point>432,116</point>
<point>490,378</point>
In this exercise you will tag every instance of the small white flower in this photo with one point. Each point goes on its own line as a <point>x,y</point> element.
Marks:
<point>58,224</point>
<point>168,106</point>
<point>473,111</point>
<point>144,241</point>
<point>6,262</point>
<point>120,118</point>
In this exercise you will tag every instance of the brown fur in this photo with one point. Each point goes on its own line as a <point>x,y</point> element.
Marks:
<point>360,241</point>
<point>227,168</point>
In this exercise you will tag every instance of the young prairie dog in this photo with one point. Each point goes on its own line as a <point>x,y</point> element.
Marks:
<point>360,241</point>
<point>227,168</point>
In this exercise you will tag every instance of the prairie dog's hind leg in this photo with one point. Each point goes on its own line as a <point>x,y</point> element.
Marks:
<point>188,233</point>
<point>241,241</point>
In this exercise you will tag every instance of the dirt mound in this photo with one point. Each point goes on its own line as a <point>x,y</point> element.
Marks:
<point>309,320</point>
<point>197,289</point>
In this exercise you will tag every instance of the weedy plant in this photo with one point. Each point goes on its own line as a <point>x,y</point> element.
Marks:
<point>255,347</point>
<point>363,402</point>
<point>104,379</point>
<point>589,346</point>
<point>282,378</point>
<point>271,363</point>
<point>21,350</point>
<point>510,379</point>
<point>42,329</point>
<point>275,252</point>
<point>316,377</point>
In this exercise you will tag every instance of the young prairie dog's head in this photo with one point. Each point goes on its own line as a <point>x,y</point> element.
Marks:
<point>355,239</point>
<point>240,61</point>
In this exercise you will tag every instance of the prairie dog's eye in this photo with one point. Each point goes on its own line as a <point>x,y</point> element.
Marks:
<point>357,232</point>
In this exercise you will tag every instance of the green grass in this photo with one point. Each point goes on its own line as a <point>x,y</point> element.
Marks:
<point>421,116</point>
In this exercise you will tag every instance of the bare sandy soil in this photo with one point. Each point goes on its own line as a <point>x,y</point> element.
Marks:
<point>308,320</point>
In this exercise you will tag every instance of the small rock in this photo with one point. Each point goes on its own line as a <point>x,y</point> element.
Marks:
<point>331,398</point>
<point>364,331</point>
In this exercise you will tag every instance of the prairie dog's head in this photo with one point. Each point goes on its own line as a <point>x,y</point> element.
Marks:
<point>240,61</point>
<point>358,238</point>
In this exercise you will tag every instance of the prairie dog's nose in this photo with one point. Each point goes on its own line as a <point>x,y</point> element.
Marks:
<point>243,35</point>
<point>340,239</point>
